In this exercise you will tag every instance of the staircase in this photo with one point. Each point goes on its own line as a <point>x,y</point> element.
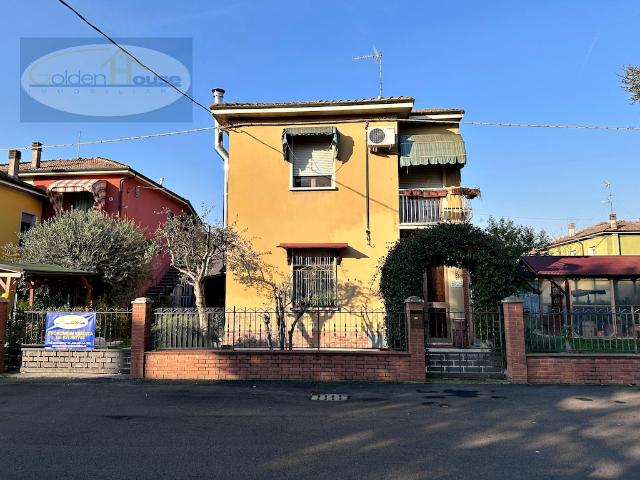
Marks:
<point>166,285</point>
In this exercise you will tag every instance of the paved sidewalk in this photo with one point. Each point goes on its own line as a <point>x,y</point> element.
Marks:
<point>118,428</point>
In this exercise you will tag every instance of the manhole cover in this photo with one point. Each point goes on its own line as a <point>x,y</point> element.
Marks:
<point>330,397</point>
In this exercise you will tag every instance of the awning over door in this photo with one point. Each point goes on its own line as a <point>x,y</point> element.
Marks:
<point>98,188</point>
<point>289,133</point>
<point>432,149</point>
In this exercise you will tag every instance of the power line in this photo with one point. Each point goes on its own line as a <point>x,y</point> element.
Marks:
<point>133,57</point>
<point>238,127</point>
<point>542,125</point>
<point>114,140</point>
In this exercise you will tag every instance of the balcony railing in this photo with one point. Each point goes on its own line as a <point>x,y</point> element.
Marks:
<point>420,210</point>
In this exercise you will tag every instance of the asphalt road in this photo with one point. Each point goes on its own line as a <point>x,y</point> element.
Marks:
<point>112,429</point>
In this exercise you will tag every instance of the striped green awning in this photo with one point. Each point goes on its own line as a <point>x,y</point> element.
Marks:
<point>287,133</point>
<point>432,149</point>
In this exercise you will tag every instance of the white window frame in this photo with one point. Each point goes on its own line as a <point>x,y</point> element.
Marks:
<point>292,187</point>
<point>592,250</point>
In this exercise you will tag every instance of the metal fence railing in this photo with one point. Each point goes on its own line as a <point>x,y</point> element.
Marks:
<point>181,328</point>
<point>477,328</point>
<point>27,329</point>
<point>257,328</point>
<point>584,330</point>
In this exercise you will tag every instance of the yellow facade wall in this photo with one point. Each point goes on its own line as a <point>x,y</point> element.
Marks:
<point>262,203</point>
<point>13,202</point>
<point>607,243</point>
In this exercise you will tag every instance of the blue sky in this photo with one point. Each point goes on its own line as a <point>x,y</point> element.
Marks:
<point>543,62</point>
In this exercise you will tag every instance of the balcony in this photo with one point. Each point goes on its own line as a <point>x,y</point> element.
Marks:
<point>423,207</point>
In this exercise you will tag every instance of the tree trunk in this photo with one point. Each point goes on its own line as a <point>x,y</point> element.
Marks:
<point>198,292</point>
<point>281,319</point>
<point>267,327</point>
<point>299,315</point>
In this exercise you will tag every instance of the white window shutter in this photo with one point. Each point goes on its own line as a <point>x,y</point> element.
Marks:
<point>312,157</point>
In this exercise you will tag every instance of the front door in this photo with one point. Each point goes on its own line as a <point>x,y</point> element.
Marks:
<point>436,315</point>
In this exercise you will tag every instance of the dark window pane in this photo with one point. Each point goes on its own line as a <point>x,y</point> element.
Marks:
<point>312,182</point>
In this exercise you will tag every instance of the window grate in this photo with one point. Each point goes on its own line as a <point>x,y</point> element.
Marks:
<point>314,280</point>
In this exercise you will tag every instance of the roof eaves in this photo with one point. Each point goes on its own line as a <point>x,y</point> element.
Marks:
<point>312,103</point>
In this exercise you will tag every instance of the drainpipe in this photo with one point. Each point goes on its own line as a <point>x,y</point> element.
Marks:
<point>218,96</point>
<point>366,183</point>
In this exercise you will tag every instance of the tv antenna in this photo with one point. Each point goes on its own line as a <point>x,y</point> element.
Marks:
<point>78,143</point>
<point>377,56</point>
<point>607,185</point>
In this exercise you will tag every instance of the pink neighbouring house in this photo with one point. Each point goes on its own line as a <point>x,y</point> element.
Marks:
<point>109,186</point>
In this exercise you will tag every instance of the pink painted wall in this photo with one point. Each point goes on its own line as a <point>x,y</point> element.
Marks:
<point>146,210</point>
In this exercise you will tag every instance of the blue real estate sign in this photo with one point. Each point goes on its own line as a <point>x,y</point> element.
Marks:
<point>70,331</point>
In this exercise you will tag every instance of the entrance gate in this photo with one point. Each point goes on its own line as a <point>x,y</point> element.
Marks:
<point>467,344</point>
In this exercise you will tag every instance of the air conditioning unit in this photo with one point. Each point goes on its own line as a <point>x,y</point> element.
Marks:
<point>381,136</point>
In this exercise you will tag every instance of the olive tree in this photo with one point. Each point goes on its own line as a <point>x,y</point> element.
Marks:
<point>115,250</point>
<point>630,80</point>
<point>198,249</point>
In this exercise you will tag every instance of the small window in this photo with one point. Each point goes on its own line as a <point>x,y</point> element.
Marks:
<point>573,253</point>
<point>592,250</point>
<point>314,279</point>
<point>313,161</point>
<point>27,221</point>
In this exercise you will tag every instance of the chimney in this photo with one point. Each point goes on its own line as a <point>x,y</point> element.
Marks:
<point>571,229</point>
<point>14,163</point>
<point>36,154</point>
<point>613,221</point>
<point>218,95</point>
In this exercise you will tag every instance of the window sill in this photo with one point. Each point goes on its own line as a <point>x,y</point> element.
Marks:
<point>311,189</point>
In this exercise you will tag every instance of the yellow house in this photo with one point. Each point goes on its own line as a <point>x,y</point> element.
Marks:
<point>20,204</point>
<point>615,237</point>
<point>325,187</point>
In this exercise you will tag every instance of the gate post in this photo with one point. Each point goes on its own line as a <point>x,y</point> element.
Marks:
<point>516,354</point>
<point>140,334</point>
<point>414,313</point>
<point>4,317</point>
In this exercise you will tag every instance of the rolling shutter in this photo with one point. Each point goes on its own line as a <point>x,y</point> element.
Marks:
<point>421,177</point>
<point>312,156</point>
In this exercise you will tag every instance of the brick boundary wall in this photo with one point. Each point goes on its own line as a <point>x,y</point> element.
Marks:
<point>516,355</point>
<point>582,368</point>
<point>282,365</point>
<point>39,360</point>
<point>375,365</point>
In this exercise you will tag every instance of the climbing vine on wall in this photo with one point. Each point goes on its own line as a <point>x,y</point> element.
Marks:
<point>494,270</point>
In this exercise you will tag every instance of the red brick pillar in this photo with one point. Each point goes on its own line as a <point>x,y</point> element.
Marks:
<point>513,310</point>
<point>140,334</point>
<point>414,312</point>
<point>4,316</point>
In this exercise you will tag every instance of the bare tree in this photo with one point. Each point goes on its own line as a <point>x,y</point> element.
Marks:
<point>630,80</point>
<point>254,271</point>
<point>197,250</point>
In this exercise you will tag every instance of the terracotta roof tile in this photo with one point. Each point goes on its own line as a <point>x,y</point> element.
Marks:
<point>311,103</point>
<point>623,226</point>
<point>72,164</point>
